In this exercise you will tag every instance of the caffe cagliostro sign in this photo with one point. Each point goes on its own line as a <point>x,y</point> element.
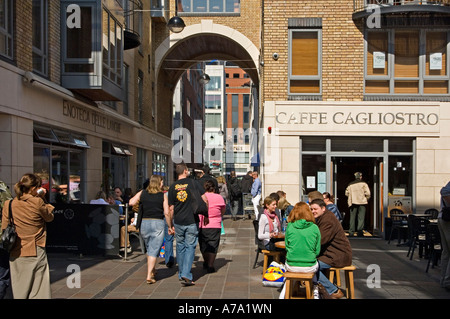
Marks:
<point>385,118</point>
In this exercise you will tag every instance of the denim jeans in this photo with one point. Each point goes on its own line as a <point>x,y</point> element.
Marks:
<point>168,250</point>
<point>329,286</point>
<point>187,238</point>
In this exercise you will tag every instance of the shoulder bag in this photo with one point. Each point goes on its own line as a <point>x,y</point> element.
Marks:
<point>9,235</point>
<point>445,212</point>
<point>200,207</point>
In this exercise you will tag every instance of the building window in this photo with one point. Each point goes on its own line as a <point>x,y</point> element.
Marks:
<point>214,84</point>
<point>78,44</point>
<point>159,166</point>
<point>408,62</point>
<point>213,101</point>
<point>40,43</point>
<point>209,6</point>
<point>112,48</point>
<point>126,90</point>
<point>141,168</point>
<point>305,61</point>
<point>213,120</point>
<point>58,158</point>
<point>140,109</point>
<point>6,28</point>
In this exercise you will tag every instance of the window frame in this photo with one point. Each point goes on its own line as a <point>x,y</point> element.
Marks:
<point>319,62</point>
<point>422,77</point>
<point>207,11</point>
<point>42,51</point>
<point>7,30</point>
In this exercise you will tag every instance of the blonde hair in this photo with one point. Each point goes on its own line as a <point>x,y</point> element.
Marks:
<point>283,203</point>
<point>221,179</point>
<point>155,184</point>
<point>301,210</point>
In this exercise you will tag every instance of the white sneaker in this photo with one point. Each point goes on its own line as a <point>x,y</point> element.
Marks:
<point>316,292</point>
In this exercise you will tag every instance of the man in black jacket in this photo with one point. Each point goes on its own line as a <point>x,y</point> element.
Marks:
<point>205,175</point>
<point>246,183</point>
<point>234,189</point>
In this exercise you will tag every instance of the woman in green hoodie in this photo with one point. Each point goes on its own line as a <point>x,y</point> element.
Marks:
<point>302,241</point>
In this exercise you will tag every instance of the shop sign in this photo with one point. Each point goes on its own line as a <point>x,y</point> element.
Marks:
<point>90,117</point>
<point>361,118</point>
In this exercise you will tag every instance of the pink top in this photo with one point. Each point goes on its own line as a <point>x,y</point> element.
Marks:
<point>216,203</point>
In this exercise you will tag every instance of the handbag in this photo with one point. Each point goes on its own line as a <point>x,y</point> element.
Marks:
<point>445,212</point>
<point>9,235</point>
<point>200,207</point>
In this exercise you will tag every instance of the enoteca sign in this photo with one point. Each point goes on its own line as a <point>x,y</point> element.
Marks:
<point>337,118</point>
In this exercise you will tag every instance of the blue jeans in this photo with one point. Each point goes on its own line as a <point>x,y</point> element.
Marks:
<point>187,238</point>
<point>168,250</point>
<point>329,286</point>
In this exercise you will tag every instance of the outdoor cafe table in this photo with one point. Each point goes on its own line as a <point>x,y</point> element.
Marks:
<point>280,244</point>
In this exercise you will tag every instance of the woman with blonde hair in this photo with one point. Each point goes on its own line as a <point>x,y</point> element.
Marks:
<point>30,274</point>
<point>302,242</point>
<point>150,221</point>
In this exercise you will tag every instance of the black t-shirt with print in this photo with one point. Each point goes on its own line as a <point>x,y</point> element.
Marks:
<point>180,195</point>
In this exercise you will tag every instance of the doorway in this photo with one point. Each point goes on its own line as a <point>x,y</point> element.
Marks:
<point>343,174</point>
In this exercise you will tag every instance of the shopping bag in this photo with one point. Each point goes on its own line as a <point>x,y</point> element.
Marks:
<point>274,275</point>
<point>162,252</point>
<point>222,232</point>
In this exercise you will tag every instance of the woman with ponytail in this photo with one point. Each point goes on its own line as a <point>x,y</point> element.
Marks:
<point>30,275</point>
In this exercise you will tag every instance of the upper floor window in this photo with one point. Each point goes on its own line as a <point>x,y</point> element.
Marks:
<point>112,48</point>
<point>410,62</point>
<point>40,36</point>
<point>6,28</point>
<point>209,6</point>
<point>214,84</point>
<point>305,61</point>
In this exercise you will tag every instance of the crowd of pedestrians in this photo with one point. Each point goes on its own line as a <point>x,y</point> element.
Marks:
<point>314,238</point>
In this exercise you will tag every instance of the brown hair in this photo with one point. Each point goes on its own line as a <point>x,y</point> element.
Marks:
<point>268,200</point>
<point>329,196</point>
<point>26,183</point>
<point>180,168</point>
<point>314,194</point>
<point>301,210</point>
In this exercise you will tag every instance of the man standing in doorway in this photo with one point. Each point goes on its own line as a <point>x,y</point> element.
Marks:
<point>358,194</point>
<point>256,193</point>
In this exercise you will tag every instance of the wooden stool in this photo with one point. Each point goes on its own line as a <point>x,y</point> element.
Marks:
<point>349,283</point>
<point>292,277</point>
<point>267,253</point>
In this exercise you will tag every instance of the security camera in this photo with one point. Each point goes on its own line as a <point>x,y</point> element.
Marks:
<point>275,56</point>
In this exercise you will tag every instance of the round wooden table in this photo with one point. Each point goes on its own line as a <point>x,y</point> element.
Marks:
<point>280,244</point>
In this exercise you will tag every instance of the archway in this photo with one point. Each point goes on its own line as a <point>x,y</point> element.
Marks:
<point>200,42</point>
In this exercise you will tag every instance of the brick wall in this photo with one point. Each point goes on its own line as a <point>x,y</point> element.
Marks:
<point>23,39</point>
<point>342,48</point>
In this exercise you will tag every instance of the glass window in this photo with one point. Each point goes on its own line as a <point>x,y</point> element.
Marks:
<point>214,84</point>
<point>209,6</point>
<point>357,144</point>
<point>39,22</point>
<point>312,165</point>
<point>79,40</point>
<point>313,144</point>
<point>6,28</point>
<point>418,59</point>
<point>400,175</point>
<point>112,48</point>
<point>141,168</point>
<point>213,101</point>
<point>213,120</point>
<point>305,62</point>
<point>160,166</point>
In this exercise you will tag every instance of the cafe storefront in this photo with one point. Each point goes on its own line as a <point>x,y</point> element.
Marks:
<point>394,144</point>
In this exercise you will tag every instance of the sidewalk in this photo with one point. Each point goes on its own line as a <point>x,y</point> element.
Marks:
<point>235,278</point>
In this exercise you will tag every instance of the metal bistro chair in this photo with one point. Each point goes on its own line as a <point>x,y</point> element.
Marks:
<point>418,232</point>
<point>399,223</point>
<point>433,238</point>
